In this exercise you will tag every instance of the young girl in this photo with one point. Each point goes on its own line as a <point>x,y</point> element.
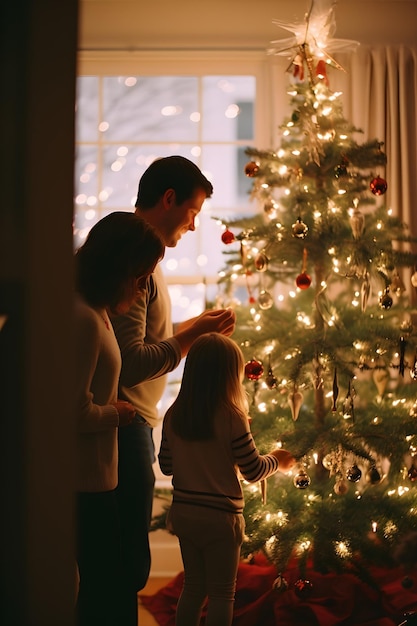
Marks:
<point>117,257</point>
<point>206,440</point>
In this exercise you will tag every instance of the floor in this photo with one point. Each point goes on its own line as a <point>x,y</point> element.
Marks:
<point>152,586</point>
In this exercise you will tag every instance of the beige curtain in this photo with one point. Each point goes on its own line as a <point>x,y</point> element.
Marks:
<point>380,97</point>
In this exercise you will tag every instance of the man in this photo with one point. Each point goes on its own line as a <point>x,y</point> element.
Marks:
<point>170,196</point>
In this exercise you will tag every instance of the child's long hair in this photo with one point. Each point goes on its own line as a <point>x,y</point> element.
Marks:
<point>211,383</point>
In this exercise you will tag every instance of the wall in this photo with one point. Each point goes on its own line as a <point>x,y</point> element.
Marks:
<point>236,24</point>
<point>38,63</point>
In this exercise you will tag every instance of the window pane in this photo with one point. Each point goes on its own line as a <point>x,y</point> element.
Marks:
<point>224,115</point>
<point>226,171</point>
<point>123,165</point>
<point>87,108</point>
<point>125,123</point>
<point>150,108</point>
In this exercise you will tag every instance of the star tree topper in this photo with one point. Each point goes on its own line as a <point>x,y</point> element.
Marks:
<point>313,38</point>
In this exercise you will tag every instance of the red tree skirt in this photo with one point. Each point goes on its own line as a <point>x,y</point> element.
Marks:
<point>332,599</point>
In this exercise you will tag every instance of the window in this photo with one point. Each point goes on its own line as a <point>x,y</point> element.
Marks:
<point>128,114</point>
<point>125,122</point>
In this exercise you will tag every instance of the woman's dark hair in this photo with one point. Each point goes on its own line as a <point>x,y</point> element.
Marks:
<point>173,172</point>
<point>119,247</point>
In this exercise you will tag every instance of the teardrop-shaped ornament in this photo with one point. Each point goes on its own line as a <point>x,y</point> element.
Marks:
<point>381,378</point>
<point>357,223</point>
<point>335,391</point>
<point>261,262</point>
<point>295,400</point>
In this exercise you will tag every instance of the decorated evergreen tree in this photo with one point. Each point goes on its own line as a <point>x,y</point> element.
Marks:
<point>328,332</point>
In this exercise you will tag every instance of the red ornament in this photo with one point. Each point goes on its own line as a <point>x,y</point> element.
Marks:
<point>254,369</point>
<point>228,236</point>
<point>251,169</point>
<point>303,588</point>
<point>321,71</point>
<point>303,281</point>
<point>378,186</point>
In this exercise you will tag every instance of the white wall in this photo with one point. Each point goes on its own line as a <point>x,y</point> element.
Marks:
<point>232,24</point>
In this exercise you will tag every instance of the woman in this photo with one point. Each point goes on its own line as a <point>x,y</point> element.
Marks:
<point>119,254</point>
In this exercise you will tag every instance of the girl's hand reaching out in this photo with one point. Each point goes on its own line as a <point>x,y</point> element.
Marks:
<point>285,458</point>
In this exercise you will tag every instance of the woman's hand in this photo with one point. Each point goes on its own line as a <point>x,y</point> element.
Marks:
<point>126,412</point>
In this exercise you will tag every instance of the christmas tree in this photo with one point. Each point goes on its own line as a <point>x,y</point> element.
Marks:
<point>327,329</point>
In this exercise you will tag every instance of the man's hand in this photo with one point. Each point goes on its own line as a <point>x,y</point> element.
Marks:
<point>221,321</point>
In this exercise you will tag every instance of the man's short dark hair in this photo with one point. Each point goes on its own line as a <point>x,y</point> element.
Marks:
<point>173,172</point>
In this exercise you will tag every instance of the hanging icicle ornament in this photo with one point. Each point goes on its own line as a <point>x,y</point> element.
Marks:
<point>318,370</point>
<point>252,299</point>
<point>357,220</point>
<point>251,169</point>
<point>385,301</point>
<point>365,292</point>
<point>263,490</point>
<point>348,406</point>
<point>299,229</point>
<point>295,400</point>
<point>254,369</point>
<point>378,186</point>
<point>335,391</point>
<point>228,236</point>
<point>303,280</point>
<point>401,366</point>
